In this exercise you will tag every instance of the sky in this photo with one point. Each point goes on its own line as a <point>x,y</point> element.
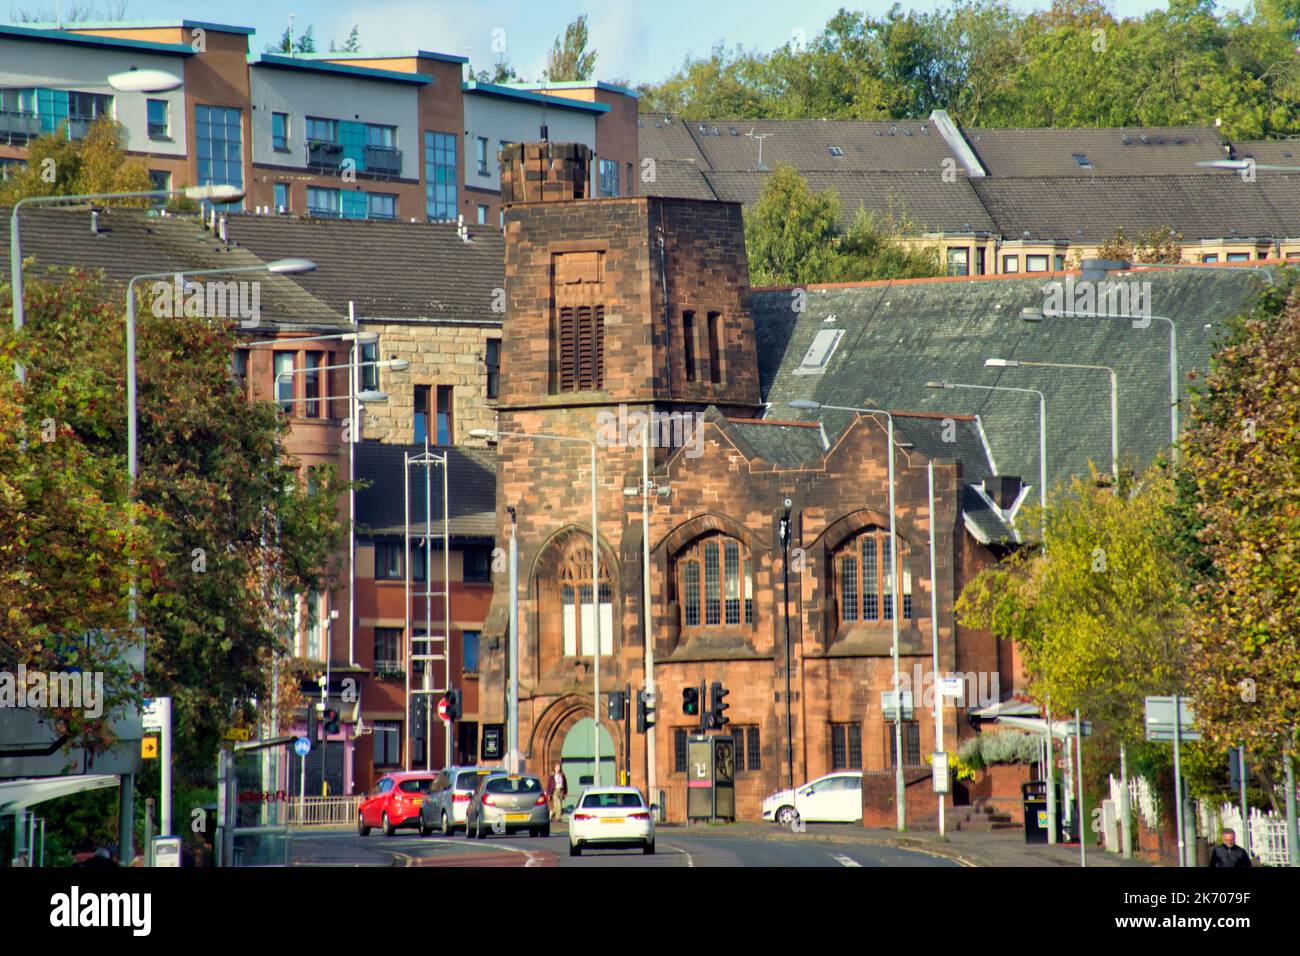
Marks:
<point>637,40</point>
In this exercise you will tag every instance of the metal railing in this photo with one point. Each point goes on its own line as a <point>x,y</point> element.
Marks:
<point>323,811</point>
<point>17,127</point>
<point>383,160</point>
<point>325,155</point>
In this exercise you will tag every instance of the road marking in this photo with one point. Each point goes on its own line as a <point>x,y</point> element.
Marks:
<point>534,858</point>
<point>843,860</point>
<point>690,860</point>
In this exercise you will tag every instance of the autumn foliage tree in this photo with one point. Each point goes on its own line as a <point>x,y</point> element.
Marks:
<point>96,164</point>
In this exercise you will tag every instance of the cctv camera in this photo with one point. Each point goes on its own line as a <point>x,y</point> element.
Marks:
<point>788,503</point>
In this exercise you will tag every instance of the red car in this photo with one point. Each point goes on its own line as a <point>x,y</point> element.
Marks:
<point>394,802</point>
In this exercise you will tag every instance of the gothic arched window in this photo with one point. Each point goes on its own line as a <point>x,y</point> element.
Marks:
<point>864,576</point>
<point>716,584</point>
<point>578,613</point>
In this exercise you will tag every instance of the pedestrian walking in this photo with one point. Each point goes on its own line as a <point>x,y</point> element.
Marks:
<point>557,788</point>
<point>1228,853</point>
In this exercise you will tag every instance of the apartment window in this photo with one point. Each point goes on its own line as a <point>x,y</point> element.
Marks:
<point>421,422</point>
<point>980,264</point>
<point>283,367</point>
<point>320,130</point>
<point>715,348</point>
<point>688,342</point>
<point>865,578</point>
<point>608,179</point>
<point>959,261</point>
<point>312,385</point>
<point>369,373</point>
<point>1035,263</point>
<point>446,431</point>
<point>481,147</point>
<point>159,119</point>
<point>89,106</point>
<point>440,175</point>
<point>476,565</point>
<point>239,368</point>
<point>846,746</point>
<point>482,215</point>
<point>160,179</point>
<point>219,139</point>
<point>1058,263</point>
<point>1010,263</point>
<point>382,137</point>
<point>388,650</point>
<point>493,362</point>
<point>388,739</point>
<point>324,202</point>
<point>581,348</point>
<point>911,743</point>
<point>381,206</point>
<point>748,749</point>
<point>679,749</point>
<point>419,566</point>
<point>1239,257</point>
<point>10,167</point>
<point>1211,257</point>
<point>280,132</point>
<point>315,649</point>
<point>388,560</point>
<point>469,651</point>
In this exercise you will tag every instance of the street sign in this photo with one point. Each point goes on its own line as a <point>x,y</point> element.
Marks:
<point>493,737</point>
<point>302,746</point>
<point>239,733</point>
<point>887,704</point>
<point>954,687</point>
<point>940,772</point>
<point>151,720</point>
<point>167,851</point>
<point>1160,719</point>
<point>442,707</point>
<point>149,748</point>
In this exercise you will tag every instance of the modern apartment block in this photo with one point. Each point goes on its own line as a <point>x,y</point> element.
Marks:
<point>336,135</point>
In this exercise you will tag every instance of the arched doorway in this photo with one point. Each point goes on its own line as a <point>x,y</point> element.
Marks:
<point>578,760</point>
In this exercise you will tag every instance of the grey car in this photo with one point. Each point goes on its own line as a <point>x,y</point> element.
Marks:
<point>444,806</point>
<point>504,803</point>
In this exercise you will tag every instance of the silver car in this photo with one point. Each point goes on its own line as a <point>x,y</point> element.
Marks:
<point>444,806</point>
<point>504,803</point>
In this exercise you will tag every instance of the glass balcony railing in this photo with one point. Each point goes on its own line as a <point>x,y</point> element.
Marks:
<point>383,160</point>
<point>325,155</point>
<point>18,126</point>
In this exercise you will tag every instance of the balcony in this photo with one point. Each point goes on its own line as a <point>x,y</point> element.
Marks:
<point>17,127</point>
<point>383,161</point>
<point>328,157</point>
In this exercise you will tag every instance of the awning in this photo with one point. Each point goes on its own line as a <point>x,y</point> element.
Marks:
<point>21,794</point>
<point>1061,729</point>
<point>1007,708</point>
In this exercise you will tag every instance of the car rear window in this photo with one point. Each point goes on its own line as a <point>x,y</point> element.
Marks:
<point>468,781</point>
<point>514,785</point>
<point>418,785</point>
<point>597,800</point>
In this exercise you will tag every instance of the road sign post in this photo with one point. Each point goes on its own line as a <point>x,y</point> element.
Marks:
<point>1172,718</point>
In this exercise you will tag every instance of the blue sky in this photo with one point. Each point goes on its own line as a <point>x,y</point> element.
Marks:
<point>636,39</point>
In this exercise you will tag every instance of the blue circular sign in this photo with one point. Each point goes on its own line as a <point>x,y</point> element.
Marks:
<point>302,746</point>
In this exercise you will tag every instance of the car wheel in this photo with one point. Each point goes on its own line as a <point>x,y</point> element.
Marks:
<point>469,833</point>
<point>362,829</point>
<point>546,830</point>
<point>786,816</point>
<point>478,828</point>
<point>649,848</point>
<point>425,830</point>
<point>389,829</point>
<point>446,825</point>
<point>575,849</point>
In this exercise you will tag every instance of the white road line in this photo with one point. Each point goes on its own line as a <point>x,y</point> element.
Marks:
<point>690,860</point>
<point>534,858</point>
<point>844,860</point>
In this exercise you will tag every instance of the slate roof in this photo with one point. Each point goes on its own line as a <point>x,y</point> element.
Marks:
<point>1279,152</point>
<point>678,179</point>
<point>784,445</point>
<point>471,491</point>
<point>1090,209</point>
<point>900,335</point>
<point>394,270</point>
<point>1112,151</point>
<point>133,242</point>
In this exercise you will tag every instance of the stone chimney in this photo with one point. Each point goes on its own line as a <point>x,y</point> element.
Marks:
<point>545,172</point>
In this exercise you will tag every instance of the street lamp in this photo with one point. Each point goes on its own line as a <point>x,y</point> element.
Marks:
<point>212,193</point>
<point>1114,399</point>
<point>494,435</point>
<point>896,609</point>
<point>1138,322</point>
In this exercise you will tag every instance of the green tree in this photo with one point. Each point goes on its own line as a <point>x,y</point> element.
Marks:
<point>1243,466</point>
<point>59,166</point>
<point>569,59</point>
<point>306,42</point>
<point>351,45</point>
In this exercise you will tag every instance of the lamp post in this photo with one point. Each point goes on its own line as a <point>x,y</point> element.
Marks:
<point>1139,322</point>
<point>1114,399</point>
<point>895,608</point>
<point>493,435</point>
<point>1042,501</point>
<point>216,194</point>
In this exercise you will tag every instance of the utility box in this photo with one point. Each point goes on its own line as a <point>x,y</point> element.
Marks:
<point>711,778</point>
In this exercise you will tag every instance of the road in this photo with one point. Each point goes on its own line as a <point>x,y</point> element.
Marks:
<point>676,847</point>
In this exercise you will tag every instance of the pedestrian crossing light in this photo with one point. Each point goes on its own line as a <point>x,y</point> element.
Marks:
<point>616,705</point>
<point>691,701</point>
<point>717,704</point>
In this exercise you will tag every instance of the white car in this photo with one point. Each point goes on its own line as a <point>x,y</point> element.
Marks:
<point>612,817</point>
<point>834,798</point>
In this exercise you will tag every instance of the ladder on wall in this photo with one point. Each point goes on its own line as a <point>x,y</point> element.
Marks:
<point>430,607</point>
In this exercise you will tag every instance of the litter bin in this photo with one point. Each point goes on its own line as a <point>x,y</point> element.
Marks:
<point>1033,798</point>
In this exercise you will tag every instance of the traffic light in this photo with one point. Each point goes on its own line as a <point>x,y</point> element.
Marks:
<point>331,720</point>
<point>691,701</point>
<point>616,704</point>
<point>717,704</point>
<point>644,713</point>
<point>453,705</point>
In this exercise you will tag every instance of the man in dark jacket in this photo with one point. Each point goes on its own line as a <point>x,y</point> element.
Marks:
<point>1228,853</point>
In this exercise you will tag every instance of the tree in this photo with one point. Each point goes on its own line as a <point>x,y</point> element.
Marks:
<point>1242,459</point>
<point>1153,246</point>
<point>59,166</point>
<point>351,45</point>
<point>569,59</point>
<point>306,43</point>
<point>792,237</point>
<point>502,72</point>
